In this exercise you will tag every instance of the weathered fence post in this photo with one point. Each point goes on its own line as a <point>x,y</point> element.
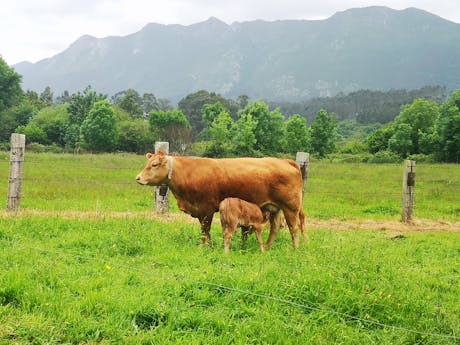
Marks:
<point>303,160</point>
<point>162,192</point>
<point>408,191</point>
<point>18,145</point>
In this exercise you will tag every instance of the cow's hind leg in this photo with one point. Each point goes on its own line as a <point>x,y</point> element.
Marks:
<point>244,234</point>
<point>292,220</point>
<point>205,222</point>
<point>275,221</point>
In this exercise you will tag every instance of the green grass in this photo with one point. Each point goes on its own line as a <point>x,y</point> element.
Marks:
<point>140,281</point>
<point>134,280</point>
<point>353,191</point>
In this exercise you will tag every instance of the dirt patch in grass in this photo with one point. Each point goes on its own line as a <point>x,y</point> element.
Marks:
<point>385,225</point>
<point>335,224</point>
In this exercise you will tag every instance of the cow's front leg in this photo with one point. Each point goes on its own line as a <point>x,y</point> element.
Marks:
<point>205,222</point>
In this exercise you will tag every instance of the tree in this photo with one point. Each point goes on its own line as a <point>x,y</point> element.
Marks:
<point>81,104</point>
<point>378,141</point>
<point>14,117</point>
<point>220,132</point>
<point>421,116</point>
<point>269,131</point>
<point>10,89</point>
<point>209,113</point>
<point>53,121</point>
<point>7,125</point>
<point>448,129</point>
<point>135,136</point>
<point>164,104</point>
<point>323,133</point>
<point>99,129</point>
<point>172,126</point>
<point>79,108</point>
<point>47,96</point>
<point>244,139</point>
<point>193,103</point>
<point>35,100</point>
<point>131,103</point>
<point>64,97</point>
<point>297,135</point>
<point>149,103</point>
<point>34,134</point>
<point>242,101</point>
<point>401,140</point>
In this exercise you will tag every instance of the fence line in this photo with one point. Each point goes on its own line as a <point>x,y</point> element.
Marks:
<point>316,186</point>
<point>246,292</point>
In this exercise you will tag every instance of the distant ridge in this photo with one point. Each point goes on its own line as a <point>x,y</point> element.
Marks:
<point>362,48</point>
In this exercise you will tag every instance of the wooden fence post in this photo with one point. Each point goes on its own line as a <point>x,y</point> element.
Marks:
<point>303,160</point>
<point>162,192</point>
<point>408,191</point>
<point>18,145</point>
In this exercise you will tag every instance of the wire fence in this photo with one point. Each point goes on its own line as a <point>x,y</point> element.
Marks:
<point>129,268</point>
<point>356,188</point>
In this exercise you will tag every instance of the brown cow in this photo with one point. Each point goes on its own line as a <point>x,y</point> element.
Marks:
<point>236,213</point>
<point>200,184</point>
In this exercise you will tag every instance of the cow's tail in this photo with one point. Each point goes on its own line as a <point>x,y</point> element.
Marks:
<point>303,224</point>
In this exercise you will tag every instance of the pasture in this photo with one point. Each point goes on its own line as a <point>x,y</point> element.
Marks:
<point>87,261</point>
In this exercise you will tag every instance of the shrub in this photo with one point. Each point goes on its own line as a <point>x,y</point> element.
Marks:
<point>385,157</point>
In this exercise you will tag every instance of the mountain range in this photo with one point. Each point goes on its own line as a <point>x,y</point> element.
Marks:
<point>375,48</point>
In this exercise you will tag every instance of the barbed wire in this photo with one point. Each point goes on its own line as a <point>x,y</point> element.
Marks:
<point>241,291</point>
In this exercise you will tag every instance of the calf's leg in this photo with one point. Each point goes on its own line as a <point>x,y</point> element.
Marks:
<point>227,233</point>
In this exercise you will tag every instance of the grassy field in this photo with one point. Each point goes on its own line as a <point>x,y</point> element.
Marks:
<point>138,280</point>
<point>87,263</point>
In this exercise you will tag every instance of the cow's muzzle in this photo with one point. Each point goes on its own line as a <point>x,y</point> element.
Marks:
<point>139,180</point>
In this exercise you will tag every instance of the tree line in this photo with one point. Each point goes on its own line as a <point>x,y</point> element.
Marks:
<point>206,123</point>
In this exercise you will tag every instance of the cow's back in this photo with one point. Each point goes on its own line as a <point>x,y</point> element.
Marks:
<point>260,180</point>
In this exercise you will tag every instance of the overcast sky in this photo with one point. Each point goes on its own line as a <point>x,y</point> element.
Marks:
<point>31,30</point>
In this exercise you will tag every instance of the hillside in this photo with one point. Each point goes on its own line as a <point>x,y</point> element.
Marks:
<point>368,48</point>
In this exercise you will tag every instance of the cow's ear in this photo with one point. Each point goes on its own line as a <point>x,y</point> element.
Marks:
<point>149,155</point>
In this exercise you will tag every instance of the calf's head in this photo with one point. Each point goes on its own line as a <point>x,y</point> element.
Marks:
<point>155,171</point>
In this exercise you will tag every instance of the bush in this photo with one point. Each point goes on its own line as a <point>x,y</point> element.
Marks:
<point>40,148</point>
<point>349,158</point>
<point>5,146</point>
<point>422,158</point>
<point>385,157</point>
<point>354,147</point>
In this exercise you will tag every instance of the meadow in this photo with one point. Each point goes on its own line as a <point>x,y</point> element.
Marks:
<point>87,261</point>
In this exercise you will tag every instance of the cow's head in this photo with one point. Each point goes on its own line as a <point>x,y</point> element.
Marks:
<point>155,171</point>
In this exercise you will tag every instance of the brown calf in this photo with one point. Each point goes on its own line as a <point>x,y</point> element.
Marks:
<point>236,213</point>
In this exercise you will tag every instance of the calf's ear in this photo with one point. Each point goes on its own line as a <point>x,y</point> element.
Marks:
<point>149,155</point>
